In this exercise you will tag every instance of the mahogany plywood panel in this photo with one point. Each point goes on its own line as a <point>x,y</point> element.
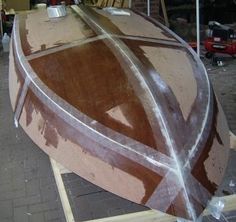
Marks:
<point>105,96</point>
<point>124,103</point>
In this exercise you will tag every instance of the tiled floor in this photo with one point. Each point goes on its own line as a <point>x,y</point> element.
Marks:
<point>223,79</point>
<point>28,192</point>
<point>91,202</point>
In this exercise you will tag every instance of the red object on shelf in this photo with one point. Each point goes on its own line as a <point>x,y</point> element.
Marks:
<point>53,2</point>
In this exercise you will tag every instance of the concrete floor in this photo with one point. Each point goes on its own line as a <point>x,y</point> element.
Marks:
<point>28,192</point>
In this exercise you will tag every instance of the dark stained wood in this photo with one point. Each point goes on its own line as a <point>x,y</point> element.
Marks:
<point>96,90</point>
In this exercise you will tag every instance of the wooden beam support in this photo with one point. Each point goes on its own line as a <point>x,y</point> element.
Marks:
<point>62,191</point>
<point>163,7</point>
<point>157,216</point>
<point>147,216</point>
<point>232,140</point>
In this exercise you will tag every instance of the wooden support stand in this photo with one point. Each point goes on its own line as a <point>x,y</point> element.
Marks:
<point>147,216</point>
<point>58,171</point>
<point>163,7</point>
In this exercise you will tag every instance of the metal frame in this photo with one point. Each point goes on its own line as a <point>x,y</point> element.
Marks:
<point>198,27</point>
<point>148,7</point>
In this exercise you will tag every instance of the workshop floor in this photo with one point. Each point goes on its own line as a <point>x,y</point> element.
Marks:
<point>27,187</point>
<point>28,192</point>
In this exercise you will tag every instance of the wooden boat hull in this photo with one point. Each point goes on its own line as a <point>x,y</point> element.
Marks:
<point>131,111</point>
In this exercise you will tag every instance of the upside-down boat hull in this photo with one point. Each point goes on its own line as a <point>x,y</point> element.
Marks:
<point>122,102</point>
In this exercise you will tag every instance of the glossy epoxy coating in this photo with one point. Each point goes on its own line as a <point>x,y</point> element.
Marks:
<point>142,90</point>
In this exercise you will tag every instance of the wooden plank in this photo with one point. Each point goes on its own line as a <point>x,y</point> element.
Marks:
<point>62,192</point>
<point>232,140</point>
<point>113,3</point>
<point>163,7</point>
<point>62,169</point>
<point>230,204</point>
<point>157,216</point>
<point>147,216</point>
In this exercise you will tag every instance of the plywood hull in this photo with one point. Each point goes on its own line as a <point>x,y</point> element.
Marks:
<point>129,109</point>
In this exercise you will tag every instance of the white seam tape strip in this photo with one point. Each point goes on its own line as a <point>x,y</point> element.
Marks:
<point>169,188</point>
<point>96,38</point>
<point>21,101</point>
<point>63,47</point>
<point>200,64</point>
<point>134,68</point>
<point>152,40</point>
<point>165,193</point>
<point>196,190</point>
